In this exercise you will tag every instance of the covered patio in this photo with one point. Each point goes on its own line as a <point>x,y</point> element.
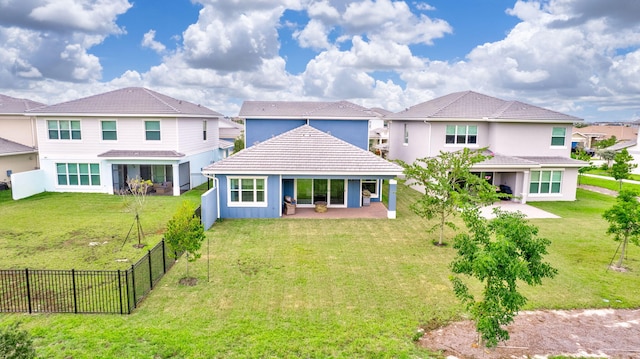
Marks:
<point>376,210</point>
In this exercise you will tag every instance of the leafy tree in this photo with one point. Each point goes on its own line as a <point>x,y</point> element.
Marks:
<point>238,143</point>
<point>607,155</point>
<point>185,232</point>
<point>606,143</point>
<point>624,221</point>
<point>582,155</point>
<point>16,343</point>
<point>622,166</point>
<point>448,186</point>
<point>499,253</point>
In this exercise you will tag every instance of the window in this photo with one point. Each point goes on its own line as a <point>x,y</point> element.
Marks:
<point>543,182</point>
<point>109,131</point>
<point>204,130</point>
<point>247,191</point>
<point>557,136</point>
<point>152,130</point>
<point>371,186</point>
<point>78,174</point>
<point>461,134</point>
<point>63,130</point>
<point>406,135</point>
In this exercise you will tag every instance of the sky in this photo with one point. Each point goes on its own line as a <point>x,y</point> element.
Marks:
<point>578,57</point>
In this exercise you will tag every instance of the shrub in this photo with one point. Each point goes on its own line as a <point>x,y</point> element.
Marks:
<point>16,343</point>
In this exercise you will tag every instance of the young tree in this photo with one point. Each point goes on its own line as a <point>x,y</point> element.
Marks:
<point>624,221</point>
<point>238,143</point>
<point>622,166</point>
<point>499,253</point>
<point>135,199</point>
<point>185,232</point>
<point>448,185</point>
<point>607,155</point>
<point>606,143</point>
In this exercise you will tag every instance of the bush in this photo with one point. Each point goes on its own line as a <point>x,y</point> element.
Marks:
<point>16,343</point>
<point>604,166</point>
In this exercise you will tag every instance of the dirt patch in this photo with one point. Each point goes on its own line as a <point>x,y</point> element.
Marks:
<point>188,281</point>
<point>602,333</point>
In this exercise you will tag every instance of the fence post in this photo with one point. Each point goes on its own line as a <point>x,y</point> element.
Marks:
<point>75,298</point>
<point>133,285</point>
<point>164,259</point>
<point>150,270</point>
<point>26,272</point>
<point>120,292</point>
<point>126,280</point>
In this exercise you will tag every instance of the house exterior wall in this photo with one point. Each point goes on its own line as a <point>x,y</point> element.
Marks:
<point>568,192</point>
<point>418,146</point>
<point>16,164</point>
<point>274,196</point>
<point>191,137</point>
<point>528,139</point>
<point>353,131</point>
<point>20,129</point>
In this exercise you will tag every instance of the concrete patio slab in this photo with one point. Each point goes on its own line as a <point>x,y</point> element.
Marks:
<point>509,206</point>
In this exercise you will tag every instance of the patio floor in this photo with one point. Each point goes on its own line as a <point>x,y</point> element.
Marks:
<point>375,210</point>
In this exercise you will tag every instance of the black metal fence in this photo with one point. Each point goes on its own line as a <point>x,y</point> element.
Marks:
<point>83,291</point>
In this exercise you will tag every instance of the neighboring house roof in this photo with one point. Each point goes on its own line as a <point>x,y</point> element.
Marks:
<point>229,129</point>
<point>622,133</point>
<point>10,148</point>
<point>304,150</point>
<point>302,109</point>
<point>141,154</point>
<point>381,111</point>
<point>13,106</point>
<point>621,145</point>
<point>473,105</point>
<point>223,144</point>
<point>502,161</point>
<point>130,101</point>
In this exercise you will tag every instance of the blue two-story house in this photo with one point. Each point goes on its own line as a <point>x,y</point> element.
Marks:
<point>310,151</point>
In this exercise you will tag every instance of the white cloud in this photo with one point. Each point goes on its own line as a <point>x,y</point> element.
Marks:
<point>148,40</point>
<point>81,15</point>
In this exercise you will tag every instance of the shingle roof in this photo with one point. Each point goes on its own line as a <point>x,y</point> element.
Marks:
<point>223,144</point>
<point>304,150</point>
<point>134,101</point>
<point>12,105</point>
<point>473,105</point>
<point>140,154</point>
<point>8,147</point>
<point>302,109</point>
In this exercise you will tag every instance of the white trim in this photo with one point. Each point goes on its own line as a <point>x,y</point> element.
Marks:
<point>247,204</point>
<point>391,214</point>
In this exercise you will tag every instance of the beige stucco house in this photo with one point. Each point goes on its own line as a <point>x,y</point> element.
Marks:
<point>530,145</point>
<point>18,138</point>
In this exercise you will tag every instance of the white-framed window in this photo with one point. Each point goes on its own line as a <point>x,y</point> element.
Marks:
<point>545,182</point>
<point>152,130</point>
<point>78,174</point>
<point>558,135</point>
<point>461,134</point>
<point>247,191</point>
<point>371,186</point>
<point>109,130</point>
<point>406,135</point>
<point>64,130</point>
<point>204,130</point>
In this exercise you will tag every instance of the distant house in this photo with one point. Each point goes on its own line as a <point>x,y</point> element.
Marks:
<point>313,152</point>
<point>530,145</point>
<point>18,139</point>
<point>95,144</point>
<point>587,137</point>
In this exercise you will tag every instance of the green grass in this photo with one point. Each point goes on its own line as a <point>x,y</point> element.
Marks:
<point>608,184</point>
<point>601,172</point>
<point>283,288</point>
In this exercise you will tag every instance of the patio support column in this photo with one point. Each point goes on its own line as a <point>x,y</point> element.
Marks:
<point>176,179</point>
<point>526,181</point>
<point>391,212</point>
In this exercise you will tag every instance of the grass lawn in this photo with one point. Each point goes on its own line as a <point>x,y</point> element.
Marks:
<point>291,288</point>
<point>606,183</point>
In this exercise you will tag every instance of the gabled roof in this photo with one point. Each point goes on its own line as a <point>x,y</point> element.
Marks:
<point>11,105</point>
<point>8,148</point>
<point>304,110</point>
<point>130,101</point>
<point>223,144</point>
<point>304,150</point>
<point>622,133</point>
<point>476,106</point>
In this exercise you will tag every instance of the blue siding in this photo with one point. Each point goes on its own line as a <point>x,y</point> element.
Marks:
<point>354,189</point>
<point>261,130</point>
<point>355,132</point>
<point>288,188</point>
<point>274,202</point>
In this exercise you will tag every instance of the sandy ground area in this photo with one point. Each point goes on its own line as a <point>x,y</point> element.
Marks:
<point>602,333</point>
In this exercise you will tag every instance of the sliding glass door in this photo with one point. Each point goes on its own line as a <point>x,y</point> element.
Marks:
<point>310,191</point>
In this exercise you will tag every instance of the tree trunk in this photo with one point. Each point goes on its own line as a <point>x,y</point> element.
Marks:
<point>624,249</point>
<point>441,228</point>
